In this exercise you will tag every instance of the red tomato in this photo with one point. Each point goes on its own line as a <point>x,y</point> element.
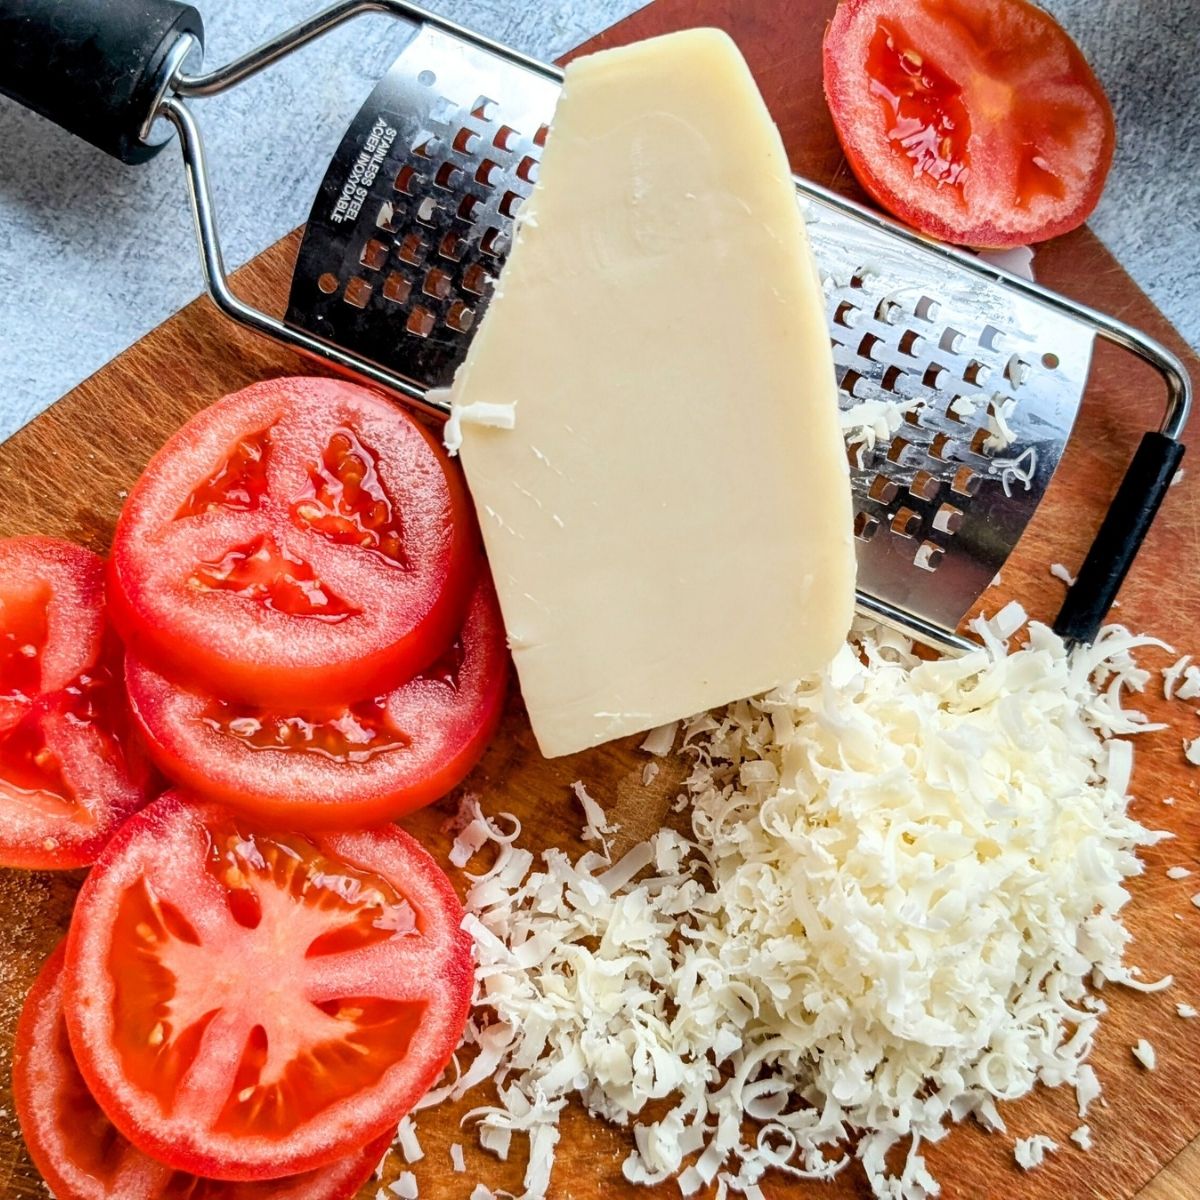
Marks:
<point>70,768</point>
<point>247,1004</point>
<point>301,539</point>
<point>82,1157</point>
<point>340,765</point>
<point>976,121</point>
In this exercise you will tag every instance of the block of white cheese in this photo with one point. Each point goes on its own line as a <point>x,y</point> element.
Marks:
<point>648,415</point>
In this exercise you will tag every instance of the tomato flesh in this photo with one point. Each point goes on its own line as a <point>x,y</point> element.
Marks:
<point>82,1156</point>
<point>247,1004</point>
<point>71,767</point>
<point>977,121</point>
<point>301,539</point>
<point>341,764</point>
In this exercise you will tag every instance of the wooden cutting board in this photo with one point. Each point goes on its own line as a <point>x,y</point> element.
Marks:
<point>66,474</point>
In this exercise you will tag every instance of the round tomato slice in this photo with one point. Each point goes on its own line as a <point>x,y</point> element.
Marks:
<point>976,121</point>
<point>300,539</point>
<point>247,1004</point>
<point>71,768</point>
<point>82,1156</point>
<point>339,765</point>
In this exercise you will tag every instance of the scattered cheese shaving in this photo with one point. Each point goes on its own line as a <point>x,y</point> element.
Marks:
<point>871,421</point>
<point>405,1186</point>
<point>888,914</point>
<point>1031,1152</point>
<point>1144,1053</point>
<point>1186,1011</point>
<point>1189,689</point>
<point>595,823</point>
<point>406,1139</point>
<point>649,773</point>
<point>1177,872</point>
<point>1061,572</point>
<point>1018,260</point>
<point>1082,1137</point>
<point>481,412</point>
<point>1191,751</point>
<point>661,741</point>
<point>1196,899</point>
<point>1176,478</point>
<point>457,1161</point>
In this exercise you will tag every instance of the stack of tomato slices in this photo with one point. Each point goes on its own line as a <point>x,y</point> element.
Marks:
<point>238,1012</point>
<point>310,630</point>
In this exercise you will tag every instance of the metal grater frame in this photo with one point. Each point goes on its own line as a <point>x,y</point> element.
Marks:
<point>959,383</point>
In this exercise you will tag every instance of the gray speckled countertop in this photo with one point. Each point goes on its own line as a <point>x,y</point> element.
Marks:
<point>93,254</point>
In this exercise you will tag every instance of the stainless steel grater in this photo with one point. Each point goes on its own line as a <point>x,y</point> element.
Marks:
<point>959,383</point>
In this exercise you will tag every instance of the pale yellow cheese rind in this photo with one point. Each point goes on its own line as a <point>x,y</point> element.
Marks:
<point>668,520</point>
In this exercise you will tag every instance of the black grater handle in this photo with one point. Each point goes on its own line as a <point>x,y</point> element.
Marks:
<point>95,67</point>
<point>1125,526</point>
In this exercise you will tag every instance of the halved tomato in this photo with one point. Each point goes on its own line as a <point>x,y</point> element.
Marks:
<point>341,764</point>
<point>82,1156</point>
<point>71,769</point>
<point>247,1004</point>
<point>976,121</point>
<point>301,539</point>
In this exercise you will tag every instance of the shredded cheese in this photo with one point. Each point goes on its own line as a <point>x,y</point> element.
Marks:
<point>1186,1011</point>
<point>1031,1152</point>
<point>1144,1053</point>
<point>888,914</point>
<point>481,412</point>
<point>405,1187</point>
<point>1191,751</point>
<point>1177,872</point>
<point>1060,572</point>
<point>1082,1137</point>
<point>406,1139</point>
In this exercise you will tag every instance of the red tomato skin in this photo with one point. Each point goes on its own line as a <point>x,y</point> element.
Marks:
<point>305,791</point>
<point>64,1156</point>
<point>87,995</point>
<point>161,625</point>
<point>78,712</point>
<point>843,52</point>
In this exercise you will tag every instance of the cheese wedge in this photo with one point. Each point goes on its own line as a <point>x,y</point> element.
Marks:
<point>648,416</point>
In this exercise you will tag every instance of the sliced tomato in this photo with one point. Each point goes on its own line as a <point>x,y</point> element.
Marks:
<point>976,121</point>
<point>247,1004</point>
<point>71,767</point>
<point>82,1156</point>
<point>301,539</point>
<point>344,764</point>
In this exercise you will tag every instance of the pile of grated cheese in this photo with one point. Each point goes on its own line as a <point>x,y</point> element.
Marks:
<point>900,890</point>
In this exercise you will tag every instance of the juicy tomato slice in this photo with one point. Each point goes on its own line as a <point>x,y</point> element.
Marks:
<point>338,765</point>
<point>83,1157</point>
<point>71,767</point>
<point>976,121</point>
<point>247,1004</point>
<point>301,539</point>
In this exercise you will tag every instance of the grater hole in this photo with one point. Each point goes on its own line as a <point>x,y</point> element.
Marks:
<point>527,169</point>
<point>396,288</point>
<point>420,322</point>
<point>437,283</point>
<point>965,482</point>
<point>460,317</point>
<point>464,140</point>
<point>892,378</point>
<point>979,442</point>
<point>442,110</point>
<point>406,179</point>
<point>1050,361</point>
<point>951,340</point>
<point>468,206</point>
<point>976,373</point>
<point>427,78</point>
<point>492,242</point>
<point>898,450</point>
<point>928,556</point>
<point>539,138</point>
<point>485,171</point>
<point>860,277</point>
<point>934,376</point>
<point>883,490</point>
<point>850,382</point>
<point>927,308</point>
<point>951,415</point>
<point>427,145</point>
<point>475,279</point>
<point>948,519</point>
<point>506,135</point>
<point>484,108</point>
<point>856,453</point>
<point>427,211</point>
<point>1016,371</point>
<point>912,416</point>
<point>446,177</point>
<point>888,312</point>
<point>386,217</point>
<point>906,523</point>
<point>942,447</point>
<point>509,203</point>
<point>328,283</point>
<point>924,486</point>
<point>374,254</point>
<point>846,315</point>
<point>911,343</point>
<point>867,346</point>
<point>410,248</point>
<point>452,246</point>
<point>357,293</point>
<point>865,526</point>
<point>991,337</point>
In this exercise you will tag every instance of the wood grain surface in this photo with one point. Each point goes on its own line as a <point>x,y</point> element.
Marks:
<point>67,473</point>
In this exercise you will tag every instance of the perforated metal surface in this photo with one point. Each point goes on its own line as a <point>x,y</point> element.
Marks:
<point>958,394</point>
